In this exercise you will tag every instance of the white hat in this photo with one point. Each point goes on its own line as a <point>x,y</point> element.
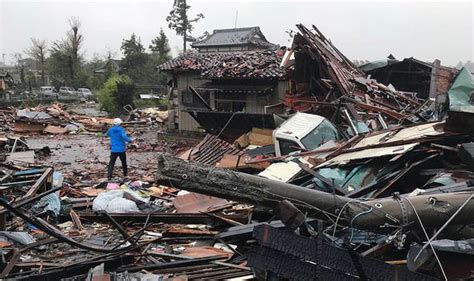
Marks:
<point>117,121</point>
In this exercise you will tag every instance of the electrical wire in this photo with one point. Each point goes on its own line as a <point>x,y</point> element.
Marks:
<point>427,237</point>
<point>355,217</point>
<point>339,216</point>
<point>445,224</point>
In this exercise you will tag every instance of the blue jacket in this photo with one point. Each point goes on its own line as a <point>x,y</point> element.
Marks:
<point>118,138</point>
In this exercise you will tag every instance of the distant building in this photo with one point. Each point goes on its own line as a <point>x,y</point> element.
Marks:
<point>6,81</point>
<point>234,39</point>
<point>233,70</point>
<point>32,72</point>
<point>110,65</point>
<point>10,69</point>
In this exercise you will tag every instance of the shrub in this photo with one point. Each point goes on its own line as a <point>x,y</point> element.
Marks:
<point>117,92</point>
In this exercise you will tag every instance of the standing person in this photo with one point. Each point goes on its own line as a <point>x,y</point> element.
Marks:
<point>118,139</point>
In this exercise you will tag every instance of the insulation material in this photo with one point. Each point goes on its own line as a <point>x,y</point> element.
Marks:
<point>283,171</point>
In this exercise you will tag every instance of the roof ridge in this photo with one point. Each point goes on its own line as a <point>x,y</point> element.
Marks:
<point>236,29</point>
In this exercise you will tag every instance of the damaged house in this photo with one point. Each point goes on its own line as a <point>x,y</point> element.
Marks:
<point>111,66</point>
<point>234,70</point>
<point>412,75</point>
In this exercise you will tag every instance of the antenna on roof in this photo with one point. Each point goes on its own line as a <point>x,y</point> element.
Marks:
<point>236,15</point>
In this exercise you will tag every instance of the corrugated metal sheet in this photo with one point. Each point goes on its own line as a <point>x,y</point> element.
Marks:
<point>195,203</point>
<point>410,133</point>
<point>368,153</point>
<point>210,150</point>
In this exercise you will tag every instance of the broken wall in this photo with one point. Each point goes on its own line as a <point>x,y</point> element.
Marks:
<point>444,80</point>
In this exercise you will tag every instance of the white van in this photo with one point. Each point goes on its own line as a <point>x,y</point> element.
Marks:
<point>303,131</point>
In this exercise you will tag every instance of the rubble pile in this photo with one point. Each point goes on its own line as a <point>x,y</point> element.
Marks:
<point>128,228</point>
<point>55,119</point>
<point>61,218</point>
<point>341,92</point>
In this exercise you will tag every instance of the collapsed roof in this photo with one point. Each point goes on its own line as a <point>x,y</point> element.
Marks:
<point>326,80</point>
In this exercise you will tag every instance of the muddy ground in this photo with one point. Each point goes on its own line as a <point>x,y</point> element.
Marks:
<point>84,157</point>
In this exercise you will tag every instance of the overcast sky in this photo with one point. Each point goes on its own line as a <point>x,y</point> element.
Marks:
<point>368,30</point>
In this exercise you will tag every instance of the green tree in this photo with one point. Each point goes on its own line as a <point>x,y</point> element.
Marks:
<point>38,52</point>
<point>160,47</point>
<point>57,67</point>
<point>117,92</point>
<point>31,81</point>
<point>94,81</point>
<point>20,67</point>
<point>132,46</point>
<point>65,60</point>
<point>178,20</point>
<point>135,58</point>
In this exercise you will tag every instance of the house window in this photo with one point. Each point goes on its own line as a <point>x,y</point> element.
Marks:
<point>230,102</point>
<point>230,105</point>
<point>188,98</point>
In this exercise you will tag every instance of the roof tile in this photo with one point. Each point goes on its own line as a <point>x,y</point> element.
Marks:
<point>253,64</point>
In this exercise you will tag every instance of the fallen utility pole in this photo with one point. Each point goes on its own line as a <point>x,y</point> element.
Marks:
<point>433,209</point>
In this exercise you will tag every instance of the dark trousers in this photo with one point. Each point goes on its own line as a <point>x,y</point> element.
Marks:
<point>113,158</point>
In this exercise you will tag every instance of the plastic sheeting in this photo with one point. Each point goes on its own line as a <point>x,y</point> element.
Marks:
<point>47,203</point>
<point>461,246</point>
<point>33,114</point>
<point>461,93</point>
<point>114,202</point>
<point>23,238</point>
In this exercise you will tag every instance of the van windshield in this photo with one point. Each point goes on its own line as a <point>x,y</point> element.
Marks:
<point>287,146</point>
<point>320,135</point>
